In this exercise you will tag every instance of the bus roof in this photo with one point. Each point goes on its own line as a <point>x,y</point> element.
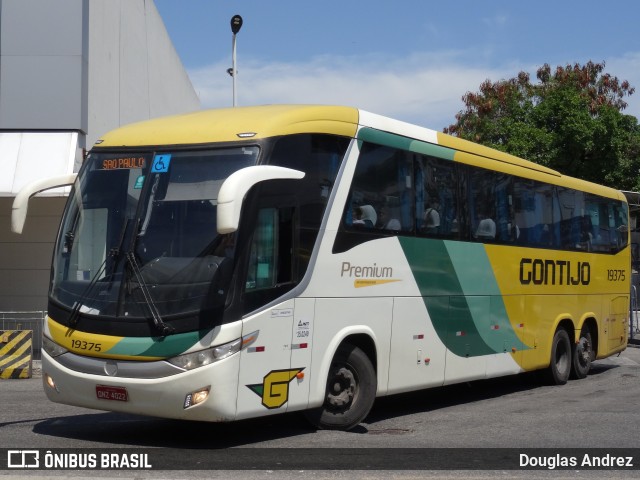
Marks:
<point>250,123</point>
<point>234,124</point>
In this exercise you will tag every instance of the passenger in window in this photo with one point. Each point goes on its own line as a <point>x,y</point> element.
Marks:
<point>486,228</point>
<point>431,218</point>
<point>368,216</point>
<point>388,220</point>
<point>357,216</point>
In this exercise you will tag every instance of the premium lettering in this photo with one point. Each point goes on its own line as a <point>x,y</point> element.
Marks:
<point>359,271</point>
<point>540,271</point>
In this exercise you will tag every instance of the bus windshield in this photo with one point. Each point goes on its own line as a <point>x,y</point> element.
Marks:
<point>139,238</point>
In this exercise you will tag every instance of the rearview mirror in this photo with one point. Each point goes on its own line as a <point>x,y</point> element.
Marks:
<point>21,202</point>
<point>234,189</point>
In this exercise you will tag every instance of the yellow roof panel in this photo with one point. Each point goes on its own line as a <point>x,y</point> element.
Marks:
<point>225,125</point>
<point>462,145</point>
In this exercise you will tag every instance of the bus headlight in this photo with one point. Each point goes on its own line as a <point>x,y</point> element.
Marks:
<point>52,348</point>
<point>192,360</point>
<point>189,361</point>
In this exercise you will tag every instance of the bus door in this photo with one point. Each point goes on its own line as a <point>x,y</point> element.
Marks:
<point>265,373</point>
<point>265,366</point>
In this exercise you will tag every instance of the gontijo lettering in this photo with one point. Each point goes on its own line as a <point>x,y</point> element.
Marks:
<point>122,162</point>
<point>554,272</point>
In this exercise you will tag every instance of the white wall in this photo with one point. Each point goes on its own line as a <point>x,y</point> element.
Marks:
<point>134,70</point>
<point>86,66</point>
<point>42,61</point>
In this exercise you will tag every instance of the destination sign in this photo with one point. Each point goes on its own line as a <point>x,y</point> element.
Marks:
<point>123,162</point>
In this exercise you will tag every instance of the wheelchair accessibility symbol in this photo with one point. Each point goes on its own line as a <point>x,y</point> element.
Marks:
<point>161,163</point>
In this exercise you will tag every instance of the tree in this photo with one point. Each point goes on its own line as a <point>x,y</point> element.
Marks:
<point>570,120</point>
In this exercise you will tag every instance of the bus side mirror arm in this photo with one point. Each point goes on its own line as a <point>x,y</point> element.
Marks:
<point>236,186</point>
<point>21,202</point>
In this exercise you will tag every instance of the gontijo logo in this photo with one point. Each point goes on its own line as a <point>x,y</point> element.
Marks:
<point>367,275</point>
<point>274,389</point>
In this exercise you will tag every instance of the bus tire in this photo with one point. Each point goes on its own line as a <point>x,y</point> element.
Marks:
<point>582,355</point>
<point>560,367</point>
<point>351,390</point>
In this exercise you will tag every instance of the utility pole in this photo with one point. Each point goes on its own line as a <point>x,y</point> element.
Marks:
<point>236,25</point>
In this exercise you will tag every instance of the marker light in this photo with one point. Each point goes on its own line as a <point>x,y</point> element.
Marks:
<point>194,398</point>
<point>52,348</point>
<point>192,360</point>
<point>50,382</point>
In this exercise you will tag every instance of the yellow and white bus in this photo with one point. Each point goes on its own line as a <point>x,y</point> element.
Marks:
<point>242,262</point>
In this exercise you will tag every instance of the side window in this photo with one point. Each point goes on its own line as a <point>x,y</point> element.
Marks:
<point>619,219</point>
<point>482,205</point>
<point>576,229</point>
<point>263,259</point>
<point>533,213</point>
<point>609,223</point>
<point>437,213</point>
<point>381,194</point>
<point>270,269</point>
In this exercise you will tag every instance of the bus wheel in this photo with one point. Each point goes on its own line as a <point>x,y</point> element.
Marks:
<point>351,390</point>
<point>560,367</point>
<point>582,355</point>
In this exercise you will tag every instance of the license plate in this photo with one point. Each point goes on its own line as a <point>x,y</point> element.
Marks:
<point>105,392</point>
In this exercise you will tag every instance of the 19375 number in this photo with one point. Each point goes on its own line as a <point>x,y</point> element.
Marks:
<point>616,275</point>
<point>83,345</point>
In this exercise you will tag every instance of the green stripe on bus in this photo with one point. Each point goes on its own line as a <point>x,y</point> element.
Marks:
<point>475,274</point>
<point>403,143</point>
<point>163,347</point>
<point>461,295</point>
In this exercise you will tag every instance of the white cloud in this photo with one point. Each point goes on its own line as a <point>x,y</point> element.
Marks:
<point>422,89</point>
<point>425,89</point>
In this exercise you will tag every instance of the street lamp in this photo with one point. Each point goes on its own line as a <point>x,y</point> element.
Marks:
<point>236,25</point>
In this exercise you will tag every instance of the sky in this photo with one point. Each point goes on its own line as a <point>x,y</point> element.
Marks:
<point>408,59</point>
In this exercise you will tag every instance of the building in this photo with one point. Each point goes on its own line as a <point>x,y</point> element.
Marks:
<point>70,70</point>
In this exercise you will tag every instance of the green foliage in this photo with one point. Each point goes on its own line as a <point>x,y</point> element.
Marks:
<point>570,120</point>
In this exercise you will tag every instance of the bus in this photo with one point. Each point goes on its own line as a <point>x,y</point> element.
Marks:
<point>242,262</point>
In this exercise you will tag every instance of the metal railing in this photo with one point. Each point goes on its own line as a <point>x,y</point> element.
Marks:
<point>32,320</point>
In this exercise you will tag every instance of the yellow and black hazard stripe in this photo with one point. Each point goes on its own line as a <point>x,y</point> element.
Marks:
<point>15,353</point>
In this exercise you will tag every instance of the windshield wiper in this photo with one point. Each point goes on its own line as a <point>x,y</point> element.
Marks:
<point>162,327</point>
<point>75,310</point>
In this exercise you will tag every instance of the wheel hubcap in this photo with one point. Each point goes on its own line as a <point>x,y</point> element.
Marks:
<point>583,352</point>
<point>343,388</point>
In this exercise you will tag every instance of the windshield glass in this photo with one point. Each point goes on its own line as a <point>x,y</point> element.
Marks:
<point>139,234</point>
